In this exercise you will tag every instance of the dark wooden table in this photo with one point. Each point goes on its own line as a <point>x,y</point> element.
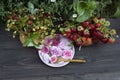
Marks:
<point>22,63</point>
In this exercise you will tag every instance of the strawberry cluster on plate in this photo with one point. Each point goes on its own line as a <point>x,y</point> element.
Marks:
<point>88,32</point>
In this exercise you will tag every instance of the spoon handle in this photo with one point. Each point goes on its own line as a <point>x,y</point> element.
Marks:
<point>75,60</point>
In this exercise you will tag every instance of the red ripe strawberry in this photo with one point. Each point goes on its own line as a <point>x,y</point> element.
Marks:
<point>71,37</point>
<point>75,37</point>
<point>79,43</point>
<point>86,33</point>
<point>88,42</point>
<point>47,14</point>
<point>99,18</point>
<point>81,33</point>
<point>29,30</point>
<point>95,40</point>
<point>98,25</point>
<point>111,40</point>
<point>41,16</point>
<point>68,31</point>
<point>26,34</point>
<point>31,17</point>
<point>92,27</point>
<point>98,34</point>
<point>29,22</point>
<point>104,40</point>
<point>85,24</point>
<point>73,30</point>
<point>68,34</point>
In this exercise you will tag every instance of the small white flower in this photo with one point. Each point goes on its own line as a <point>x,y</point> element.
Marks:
<point>53,0</point>
<point>74,15</point>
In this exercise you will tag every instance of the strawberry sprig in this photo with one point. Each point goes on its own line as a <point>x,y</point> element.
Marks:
<point>91,31</point>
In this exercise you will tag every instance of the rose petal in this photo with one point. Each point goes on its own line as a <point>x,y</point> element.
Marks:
<point>56,51</point>
<point>53,59</point>
<point>45,49</point>
<point>67,54</point>
<point>46,58</point>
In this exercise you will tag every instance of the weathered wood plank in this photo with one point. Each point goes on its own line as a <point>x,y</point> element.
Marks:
<point>21,63</point>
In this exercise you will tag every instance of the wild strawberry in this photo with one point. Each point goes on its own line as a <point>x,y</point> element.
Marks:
<point>68,31</point>
<point>92,27</point>
<point>71,37</point>
<point>111,40</point>
<point>88,42</point>
<point>29,22</point>
<point>99,18</point>
<point>81,33</point>
<point>95,20</point>
<point>95,40</point>
<point>86,33</point>
<point>98,34</point>
<point>98,25</point>
<point>29,30</point>
<point>104,40</point>
<point>85,24</point>
<point>113,31</point>
<point>107,23</point>
<point>79,43</point>
<point>75,37</point>
<point>47,14</point>
<point>80,28</point>
<point>68,34</point>
<point>41,16</point>
<point>73,30</point>
<point>31,17</point>
<point>83,39</point>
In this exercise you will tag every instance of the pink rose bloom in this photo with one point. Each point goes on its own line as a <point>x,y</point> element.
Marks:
<point>48,41</point>
<point>45,49</point>
<point>67,54</point>
<point>64,43</point>
<point>56,51</point>
<point>53,59</point>
<point>56,40</point>
<point>46,57</point>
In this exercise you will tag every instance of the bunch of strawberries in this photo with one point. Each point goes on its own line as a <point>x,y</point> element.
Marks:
<point>88,32</point>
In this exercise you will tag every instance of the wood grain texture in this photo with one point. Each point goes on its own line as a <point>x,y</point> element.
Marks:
<point>22,63</point>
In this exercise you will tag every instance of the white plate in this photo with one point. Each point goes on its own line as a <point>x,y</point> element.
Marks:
<point>47,57</point>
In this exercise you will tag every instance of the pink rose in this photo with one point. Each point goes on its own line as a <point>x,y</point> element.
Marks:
<point>64,44</point>
<point>56,40</point>
<point>48,41</point>
<point>67,54</point>
<point>56,51</point>
<point>45,49</point>
<point>53,59</point>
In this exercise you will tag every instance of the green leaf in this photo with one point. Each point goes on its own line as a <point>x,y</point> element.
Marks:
<point>30,6</point>
<point>83,17</point>
<point>27,42</point>
<point>117,13</point>
<point>75,4</point>
<point>35,11</point>
<point>91,5</point>
<point>81,8</point>
<point>24,19</point>
<point>34,36</point>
